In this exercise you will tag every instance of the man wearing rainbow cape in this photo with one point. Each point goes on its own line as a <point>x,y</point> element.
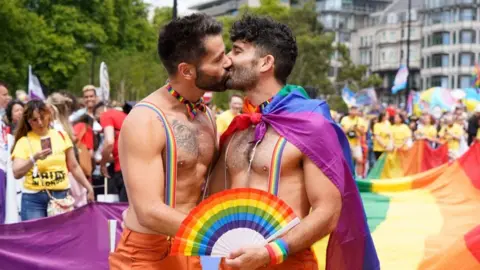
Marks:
<point>291,137</point>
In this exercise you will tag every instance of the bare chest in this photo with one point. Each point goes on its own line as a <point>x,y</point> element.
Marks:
<point>241,151</point>
<point>195,141</point>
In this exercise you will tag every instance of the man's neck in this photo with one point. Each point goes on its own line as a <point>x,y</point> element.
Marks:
<point>263,92</point>
<point>192,94</point>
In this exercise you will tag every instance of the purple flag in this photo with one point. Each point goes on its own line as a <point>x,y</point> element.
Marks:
<point>75,240</point>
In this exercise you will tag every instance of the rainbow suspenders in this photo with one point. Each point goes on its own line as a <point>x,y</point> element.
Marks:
<point>171,154</point>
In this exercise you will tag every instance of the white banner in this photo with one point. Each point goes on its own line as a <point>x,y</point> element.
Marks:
<point>104,83</point>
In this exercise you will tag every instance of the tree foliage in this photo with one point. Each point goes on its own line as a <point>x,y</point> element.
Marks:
<point>52,37</point>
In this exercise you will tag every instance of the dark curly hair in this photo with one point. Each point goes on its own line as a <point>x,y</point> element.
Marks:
<point>269,37</point>
<point>8,111</point>
<point>181,40</point>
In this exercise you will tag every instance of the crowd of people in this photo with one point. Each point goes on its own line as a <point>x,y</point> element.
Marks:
<point>63,148</point>
<point>372,132</point>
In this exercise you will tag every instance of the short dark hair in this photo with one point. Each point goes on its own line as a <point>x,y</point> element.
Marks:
<point>8,111</point>
<point>98,106</point>
<point>181,40</point>
<point>270,37</point>
<point>4,84</point>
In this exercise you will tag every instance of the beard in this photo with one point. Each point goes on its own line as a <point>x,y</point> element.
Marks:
<point>210,83</point>
<point>242,77</point>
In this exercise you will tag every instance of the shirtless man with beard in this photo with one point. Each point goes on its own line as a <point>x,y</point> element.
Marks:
<point>263,56</point>
<point>167,143</point>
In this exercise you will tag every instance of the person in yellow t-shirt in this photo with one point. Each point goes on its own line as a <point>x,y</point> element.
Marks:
<point>225,118</point>
<point>451,134</point>
<point>427,131</point>
<point>44,157</point>
<point>401,133</point>
<point>354,127</point>
<point>382,135</point>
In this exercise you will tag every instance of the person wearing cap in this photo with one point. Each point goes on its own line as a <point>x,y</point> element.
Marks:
<point>473,125</point>
<point>355,127</point>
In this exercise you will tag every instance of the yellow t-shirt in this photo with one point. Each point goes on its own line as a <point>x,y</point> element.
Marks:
<point>52,171</point>
<point>347,124</point>
<point>383,131</point>
<point>478,134</point>
<point>446,134</point>
<point>400,133</point>
<point>224,120</point>
<point>427,132</point>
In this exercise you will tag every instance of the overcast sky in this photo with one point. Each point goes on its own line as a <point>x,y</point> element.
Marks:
<point>182,4</point>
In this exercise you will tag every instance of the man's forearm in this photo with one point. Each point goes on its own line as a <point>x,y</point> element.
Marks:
<point>106,152</point>
<point>161,219</point>
<point>318,224</point>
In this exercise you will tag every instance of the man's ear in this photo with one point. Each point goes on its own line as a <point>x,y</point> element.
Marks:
<point>187,71</point>
<point>267,63</point>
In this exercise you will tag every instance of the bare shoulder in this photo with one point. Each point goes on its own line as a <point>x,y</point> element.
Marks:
<point>143,129</point>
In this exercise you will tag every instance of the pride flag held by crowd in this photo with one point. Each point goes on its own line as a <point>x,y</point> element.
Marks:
<point>428,220</point>
<point>419,158</point>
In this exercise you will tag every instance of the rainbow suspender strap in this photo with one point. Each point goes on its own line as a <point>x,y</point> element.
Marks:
<point>275,166</point>
<point>277,249</point>
<point>171,155</point>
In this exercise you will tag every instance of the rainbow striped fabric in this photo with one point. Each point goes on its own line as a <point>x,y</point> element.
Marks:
<point>426,221</point>
<point>419,158</point>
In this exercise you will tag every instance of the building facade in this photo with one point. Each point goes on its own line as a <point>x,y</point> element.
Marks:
<point>444,42</point>
<point>382,43</point>
<point>450,42</point>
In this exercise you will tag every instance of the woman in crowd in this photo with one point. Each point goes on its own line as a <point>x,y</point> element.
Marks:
<point>401,133</point>
<point>451,133</point>
<point>44,156</point>
<point>13,113</point>
<point>428,130</point>
<point>382,135</point>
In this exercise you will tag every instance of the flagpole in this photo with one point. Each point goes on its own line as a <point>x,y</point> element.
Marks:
<point>407,92</point>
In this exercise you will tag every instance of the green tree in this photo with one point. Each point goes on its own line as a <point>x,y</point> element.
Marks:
<point>355,75</point>
<point>21,30</point>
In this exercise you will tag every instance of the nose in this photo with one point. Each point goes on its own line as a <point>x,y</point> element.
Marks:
<point>228,62</point>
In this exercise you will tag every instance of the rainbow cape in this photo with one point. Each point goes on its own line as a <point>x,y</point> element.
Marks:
<point>419,158</point>
<point>306,123</point>
<point>428,220</point>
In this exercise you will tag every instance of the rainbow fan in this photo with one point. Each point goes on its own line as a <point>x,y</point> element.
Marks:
<point>233,219</point>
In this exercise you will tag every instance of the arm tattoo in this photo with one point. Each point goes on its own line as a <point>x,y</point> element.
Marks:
<point>185,137</point>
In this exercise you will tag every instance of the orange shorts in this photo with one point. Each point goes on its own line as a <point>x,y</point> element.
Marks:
<point>304,260</point>
<point>148,252</point>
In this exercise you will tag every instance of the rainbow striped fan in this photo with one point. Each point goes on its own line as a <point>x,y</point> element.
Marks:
<point>233,219</point>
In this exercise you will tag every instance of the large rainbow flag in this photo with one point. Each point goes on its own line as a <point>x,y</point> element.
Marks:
<point>419,158</point>
<point>426,221</point>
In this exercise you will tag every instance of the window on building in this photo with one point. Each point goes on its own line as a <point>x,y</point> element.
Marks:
<point>344,37</point>
<point>453,60</point>
<point>440,38</point>
<point>467,14</point>
<point>467,37</point>
<point>401,55</point>
<point>392,36</point>
<point>467,59</point>
<point>446,16</point>
<point>436,17</point>
<point>428,61</point>
<point>440,81</point>
<point>453,83</point>
<point>465,81</point>
<point>454,37</point>
<point>383,56</point>
<point>384,36</point>
<point>440,60</point>
<point>403,33</point>
<point>422,65</point>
